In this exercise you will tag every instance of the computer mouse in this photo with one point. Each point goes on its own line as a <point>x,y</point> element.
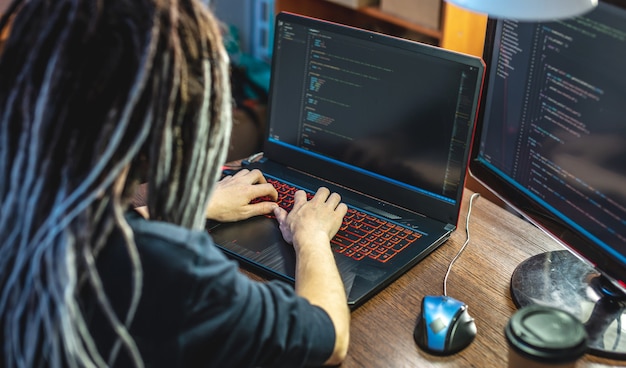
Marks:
<point>444,326</point>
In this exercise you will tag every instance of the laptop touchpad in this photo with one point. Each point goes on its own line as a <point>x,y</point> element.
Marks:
<point>257,239</point>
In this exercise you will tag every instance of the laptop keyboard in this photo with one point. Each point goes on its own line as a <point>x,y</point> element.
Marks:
<point>361,235</point>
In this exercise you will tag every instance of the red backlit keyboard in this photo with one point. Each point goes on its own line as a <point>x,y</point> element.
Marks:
<point>361,235</point>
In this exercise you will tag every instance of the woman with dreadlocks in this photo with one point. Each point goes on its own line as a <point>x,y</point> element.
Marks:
<point>97,96</point>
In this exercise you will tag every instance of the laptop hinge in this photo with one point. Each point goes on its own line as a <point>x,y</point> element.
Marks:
<point>450,227</point>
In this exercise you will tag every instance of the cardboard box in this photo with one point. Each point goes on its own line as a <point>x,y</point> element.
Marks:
<point>354,3</point>
<point>426,13</point>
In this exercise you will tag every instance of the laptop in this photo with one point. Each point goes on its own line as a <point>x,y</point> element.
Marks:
<point>383,121</point>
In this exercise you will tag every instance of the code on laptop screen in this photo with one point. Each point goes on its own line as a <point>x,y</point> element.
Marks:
<point>383,108</point>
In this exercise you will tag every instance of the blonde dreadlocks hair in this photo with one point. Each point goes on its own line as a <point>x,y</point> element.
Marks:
<point>96,96</point>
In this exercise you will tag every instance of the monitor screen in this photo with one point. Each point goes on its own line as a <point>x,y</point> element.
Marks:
<point>551,143</point>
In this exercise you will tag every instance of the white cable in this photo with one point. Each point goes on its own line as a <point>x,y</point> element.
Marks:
<point>467,239</point>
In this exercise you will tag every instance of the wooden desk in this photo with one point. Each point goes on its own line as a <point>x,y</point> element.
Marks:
<point>382,328</point>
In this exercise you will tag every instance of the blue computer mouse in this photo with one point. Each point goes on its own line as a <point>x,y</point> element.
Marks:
<point>443,326</point>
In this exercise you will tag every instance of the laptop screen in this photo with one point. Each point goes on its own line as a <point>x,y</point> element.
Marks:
<point>388,108</point>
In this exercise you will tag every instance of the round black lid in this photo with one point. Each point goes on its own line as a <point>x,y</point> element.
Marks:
<point>546,334</point>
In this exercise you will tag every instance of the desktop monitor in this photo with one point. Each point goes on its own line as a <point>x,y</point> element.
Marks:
<point>551,143</point>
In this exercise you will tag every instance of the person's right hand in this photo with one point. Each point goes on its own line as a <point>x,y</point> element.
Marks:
<point>322,214</point>
<point>309,227</point>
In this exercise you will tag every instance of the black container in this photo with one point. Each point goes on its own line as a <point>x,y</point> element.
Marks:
<point>541,336</point>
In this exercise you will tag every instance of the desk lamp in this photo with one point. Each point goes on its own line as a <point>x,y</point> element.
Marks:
<point>528,10</point>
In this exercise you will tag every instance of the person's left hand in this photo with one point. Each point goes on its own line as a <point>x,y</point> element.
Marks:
<point>231,197</point>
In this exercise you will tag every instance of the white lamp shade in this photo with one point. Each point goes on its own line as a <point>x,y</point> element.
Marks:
<point>528,10</point>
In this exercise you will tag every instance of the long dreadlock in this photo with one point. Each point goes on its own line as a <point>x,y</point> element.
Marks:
<point>96,96</point>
